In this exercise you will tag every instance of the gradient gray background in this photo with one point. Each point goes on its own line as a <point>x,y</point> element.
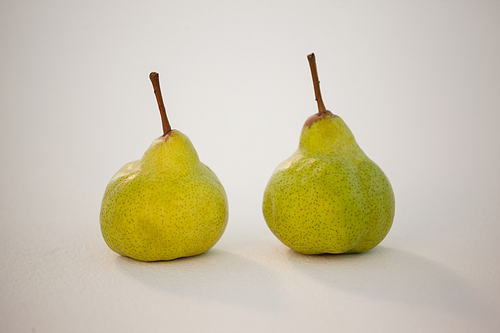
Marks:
<point>418,83</point>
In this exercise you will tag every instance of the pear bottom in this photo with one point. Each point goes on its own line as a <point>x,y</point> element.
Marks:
<point>328,204</point>
<point>146,217</point>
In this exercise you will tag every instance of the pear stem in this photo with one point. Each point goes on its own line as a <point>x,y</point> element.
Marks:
<point>314,71</point>
<point>155,80</point>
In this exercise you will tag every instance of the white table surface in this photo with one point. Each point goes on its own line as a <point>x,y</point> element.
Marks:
<point>418,82</point>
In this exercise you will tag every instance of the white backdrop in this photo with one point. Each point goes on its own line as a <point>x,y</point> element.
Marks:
<point>418,82</point>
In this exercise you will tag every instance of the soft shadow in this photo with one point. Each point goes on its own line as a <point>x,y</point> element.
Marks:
<point>394,275</point>
<point>216,275</point>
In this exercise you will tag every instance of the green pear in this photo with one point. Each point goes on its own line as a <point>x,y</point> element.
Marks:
<point>166,205</point>
<point>328,197</point>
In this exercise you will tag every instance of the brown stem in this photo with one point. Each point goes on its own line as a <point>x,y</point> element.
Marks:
<point>155,80</point>
<point>317,91</point>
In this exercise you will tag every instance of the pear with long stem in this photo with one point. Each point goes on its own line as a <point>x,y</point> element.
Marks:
<point>328,197</point>
<point>166,205</point>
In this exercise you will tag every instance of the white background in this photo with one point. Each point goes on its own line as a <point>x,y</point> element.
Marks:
<point>418,83</point>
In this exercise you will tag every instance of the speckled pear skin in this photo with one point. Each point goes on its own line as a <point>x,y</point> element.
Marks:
<point>329,197</point>
<point>165,206</point>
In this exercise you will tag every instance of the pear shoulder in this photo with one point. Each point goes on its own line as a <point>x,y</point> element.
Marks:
<point>328,133</point>
<point>173,151</point>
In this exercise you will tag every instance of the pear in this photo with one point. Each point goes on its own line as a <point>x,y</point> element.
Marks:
<point>166,205</point>
<point>328,197</point>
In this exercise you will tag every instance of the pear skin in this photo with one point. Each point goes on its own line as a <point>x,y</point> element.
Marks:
<point>328,197</point>
<point>166,205</point>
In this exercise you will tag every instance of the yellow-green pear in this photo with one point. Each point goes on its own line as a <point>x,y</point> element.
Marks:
<point>328,197</point>
<point>166,205</point>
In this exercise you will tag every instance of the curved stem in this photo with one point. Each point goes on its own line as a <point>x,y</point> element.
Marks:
<point>155,80</point>
<point>317,91</point>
